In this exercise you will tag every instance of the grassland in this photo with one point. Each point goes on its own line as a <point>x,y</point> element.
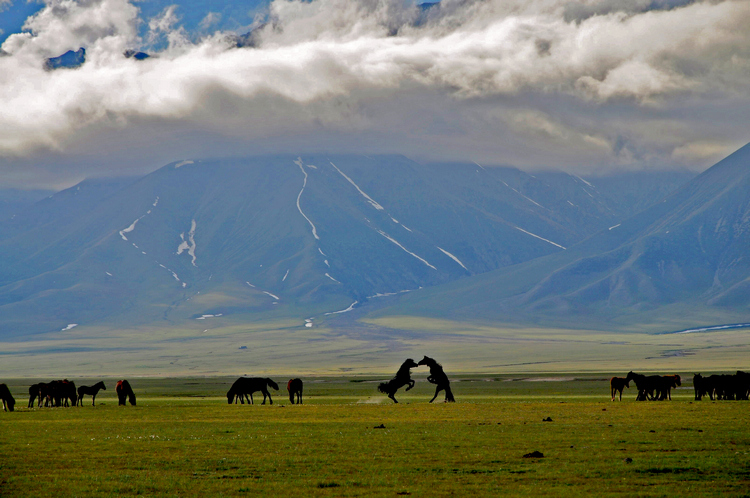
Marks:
<point>347,346</point>
<point>184,440</point>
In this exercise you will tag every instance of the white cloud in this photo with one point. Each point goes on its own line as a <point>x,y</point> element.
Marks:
<point>540,74</point>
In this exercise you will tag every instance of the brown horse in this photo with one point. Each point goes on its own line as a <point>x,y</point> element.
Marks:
<point>124,390</point>
<point>294,386</point>
<point>617,384</point>
<point>7,397</point>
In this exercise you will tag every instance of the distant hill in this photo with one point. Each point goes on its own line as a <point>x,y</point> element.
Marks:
<point>286,236</point>
<point>688,251</point>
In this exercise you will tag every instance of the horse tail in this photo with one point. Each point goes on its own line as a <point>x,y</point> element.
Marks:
<point>384,387</point>
<point>272,384</point>
<point>449,394</point>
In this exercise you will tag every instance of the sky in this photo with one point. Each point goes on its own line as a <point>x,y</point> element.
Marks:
<point>587,86</point>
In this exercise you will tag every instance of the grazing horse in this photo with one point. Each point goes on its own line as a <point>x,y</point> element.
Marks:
<point>7,398</point>
<point>124,390</point>
<point>33,394</point>
<point>401,379</point>
<point>246,386</point>
<point>294,386</point>
<point>617,384</point>
<point>438,377</point>
<point>93,391</point>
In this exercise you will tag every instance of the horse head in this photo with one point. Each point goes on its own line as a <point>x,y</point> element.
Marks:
<point>230,396</point>
<point>426,361</point>
<point>410,363</point>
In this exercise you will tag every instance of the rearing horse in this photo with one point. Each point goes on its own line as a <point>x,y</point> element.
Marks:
<point>92,391</point>
<point>401,379</point>
<point>438,377</point>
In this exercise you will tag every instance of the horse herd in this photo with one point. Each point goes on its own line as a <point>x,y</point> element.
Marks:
<point>650,387</point>
<point>58,393</point>
<point>659,387</point>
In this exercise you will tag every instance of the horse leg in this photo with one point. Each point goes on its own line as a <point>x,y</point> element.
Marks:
<point>93,400</point>
<point>411,384</point>
<point>265,393</point>
<point>393,398</point>
<point>436,393</point>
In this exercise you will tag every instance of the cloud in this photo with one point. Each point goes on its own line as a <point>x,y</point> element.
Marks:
<point>527,81</point>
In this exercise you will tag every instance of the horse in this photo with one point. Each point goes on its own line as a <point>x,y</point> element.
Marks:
<point>294,386</point>
<point>7,397</point>
<point>700,385</point>
<point>643,384</point>
<point>93,391</point>
<point>33,395</point>
<point>438,377</point>
<point>666,385</point>
<point>246,386</point>
<point>401,379</point>
<point>59,392</point>
<point>617,384</point>
<point>124,390</point>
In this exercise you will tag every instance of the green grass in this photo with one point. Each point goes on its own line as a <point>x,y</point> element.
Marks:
<point>183,439</point>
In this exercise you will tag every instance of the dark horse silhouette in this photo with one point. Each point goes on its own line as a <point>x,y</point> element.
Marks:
<point>438,377</point>
<point>33,394</point>
<point>124,390</point>
<point>617,384</point>
<point>401,379</point>
<point>93,391</point>
<point>7,398</point>
<point>294,386</point>
<point>246,386</point>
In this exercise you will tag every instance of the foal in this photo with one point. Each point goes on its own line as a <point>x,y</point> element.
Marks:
<point>617,384</point>
<point>93,391</point>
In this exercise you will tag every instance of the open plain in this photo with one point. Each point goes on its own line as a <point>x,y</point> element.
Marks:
<point>347,439</point>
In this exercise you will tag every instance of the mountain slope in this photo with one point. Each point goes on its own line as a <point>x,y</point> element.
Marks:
<point>276,236</point>
<point>688,248</point>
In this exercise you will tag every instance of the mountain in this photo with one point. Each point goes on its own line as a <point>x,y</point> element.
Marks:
<point>13,201</point>
<point>687,251</point>
<point>277,236</point>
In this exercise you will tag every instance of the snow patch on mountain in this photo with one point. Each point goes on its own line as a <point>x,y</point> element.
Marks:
<point>188,245</point>
<point>369,199</point>
<point>405,249</point>
<point>299,163</point>
<point>351,307</point>
<point>452,257</point>
<point>540,238</point>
